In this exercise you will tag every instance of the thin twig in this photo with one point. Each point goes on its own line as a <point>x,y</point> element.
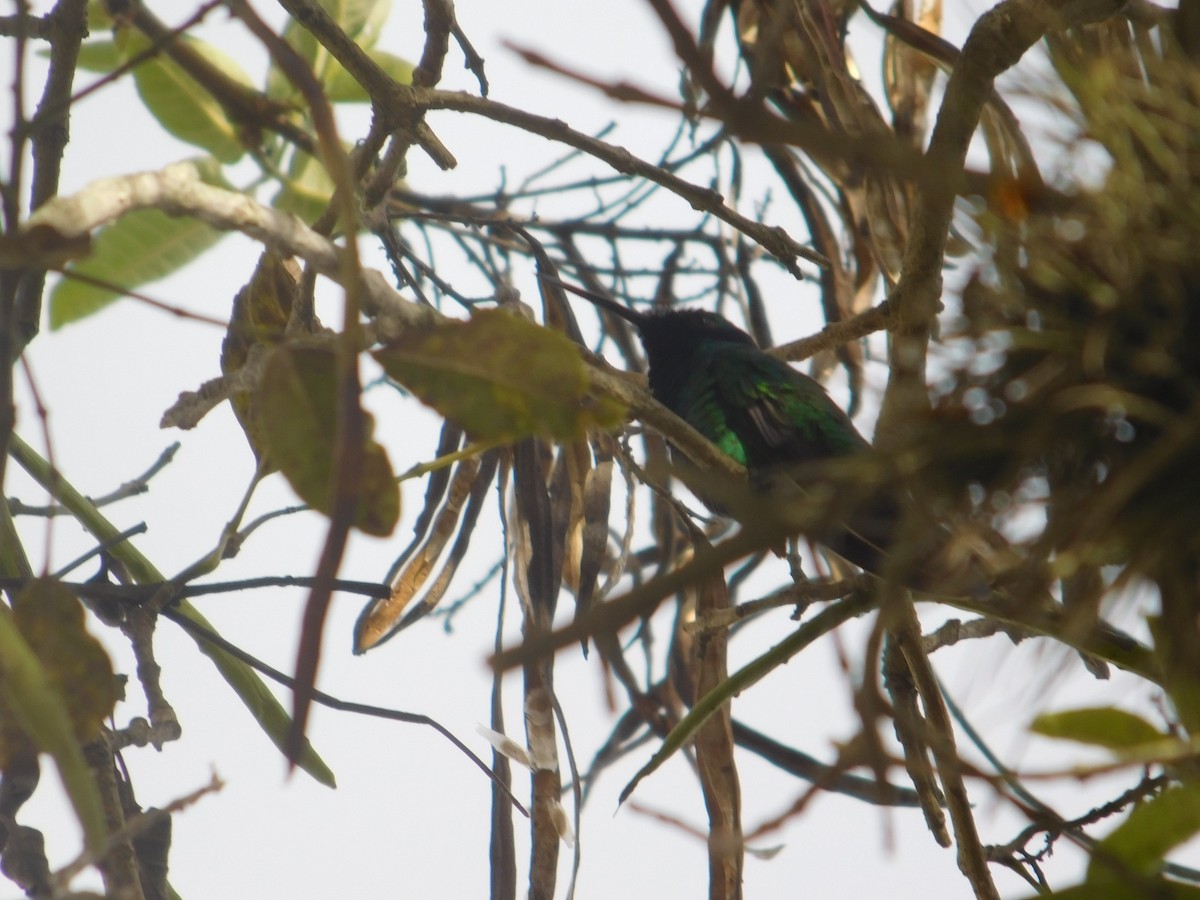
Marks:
<point>131,488</point>
<point>320,697</point>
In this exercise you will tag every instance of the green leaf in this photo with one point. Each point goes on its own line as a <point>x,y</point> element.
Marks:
<point>1103,726</point>
<point>1142,841</point>
<point>1159,889</point>
<point>361,20</point>
<point>180,103</point>
<point>364,19</point>
<point>39,707</point>
<point>499,376</point>
<point>341,88</point>
<point>140,247</point>
<point>255,695</point>
<point>306,189</point>
<point>99,56</point>
<point>98,17</point>
<point>297,409</point>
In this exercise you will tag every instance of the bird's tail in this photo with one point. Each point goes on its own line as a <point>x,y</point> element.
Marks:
<point>967,560</point>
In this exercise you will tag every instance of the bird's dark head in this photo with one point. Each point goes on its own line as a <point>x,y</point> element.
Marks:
<point>677,341</point>
<point>676,335</point>
<point>680,344</point>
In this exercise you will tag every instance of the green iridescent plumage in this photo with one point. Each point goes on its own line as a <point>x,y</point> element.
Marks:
<point>757,408</point>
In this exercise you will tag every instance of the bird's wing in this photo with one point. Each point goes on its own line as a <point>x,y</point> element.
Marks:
<point>782,415</point>
<point>779,423</point>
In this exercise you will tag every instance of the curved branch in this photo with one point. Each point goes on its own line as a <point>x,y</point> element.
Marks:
<point>999,39</point>
<point>997,42</point>
<point>401,113</point>
<point>178,191</point>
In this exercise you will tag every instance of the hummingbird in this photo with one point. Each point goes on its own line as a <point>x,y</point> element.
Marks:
<point>784,428</point>
<point>758,410</point>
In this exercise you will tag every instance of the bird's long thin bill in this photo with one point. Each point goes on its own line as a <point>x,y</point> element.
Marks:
<point>600,300</point>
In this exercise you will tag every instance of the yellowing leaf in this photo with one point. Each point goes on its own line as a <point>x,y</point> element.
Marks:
<point>51,618</point>
<point>18,752</point>
<point>499,376</point>
<point>34,697</point>
<point>260,316</point>
<point>297,409</point>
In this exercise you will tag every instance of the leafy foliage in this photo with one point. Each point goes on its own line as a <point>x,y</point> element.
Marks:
<point>148,245</point>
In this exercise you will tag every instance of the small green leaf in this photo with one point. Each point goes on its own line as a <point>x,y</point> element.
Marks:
<point>98,16</point>
<point>140,247</point>
<point>99,56</point>
<point>306,189</point>
<point>180,103</point>
<point>255,695</point>
<point>341,88</point>
<point>365,19</point>
<point>297,408</point>
<point>1143,840</point>
<point>1104,726</point>
<point>499,376</point>
<point>361,20</point>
